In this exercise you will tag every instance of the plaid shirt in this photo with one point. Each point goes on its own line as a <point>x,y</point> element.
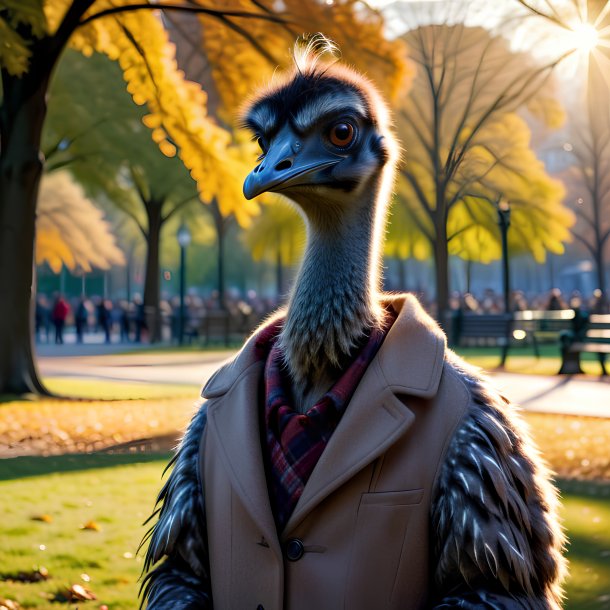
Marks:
<point>296,441</point>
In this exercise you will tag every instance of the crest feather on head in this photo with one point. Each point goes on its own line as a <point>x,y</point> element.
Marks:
<point>310,49</point>
<point>316,69</point>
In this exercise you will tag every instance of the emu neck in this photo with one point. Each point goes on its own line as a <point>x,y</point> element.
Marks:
<point>334,303</point>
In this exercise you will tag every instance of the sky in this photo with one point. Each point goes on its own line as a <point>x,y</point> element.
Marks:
<point>535,35</point>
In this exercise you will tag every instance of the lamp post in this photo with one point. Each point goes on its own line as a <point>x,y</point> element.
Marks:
<point>503,208</point>
<point>184,239</point>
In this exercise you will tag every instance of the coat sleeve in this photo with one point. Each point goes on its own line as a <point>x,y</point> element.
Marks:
<point>179,537</point>
<point>495,530</point>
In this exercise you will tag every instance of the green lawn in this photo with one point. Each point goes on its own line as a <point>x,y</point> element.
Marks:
<point>116,492</point>
<point>587,519</point>
<point>523,360</point>
<point>109,389</point>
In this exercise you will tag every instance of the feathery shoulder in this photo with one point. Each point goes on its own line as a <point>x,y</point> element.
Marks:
<point>494,514</point>
<point>179,535</point>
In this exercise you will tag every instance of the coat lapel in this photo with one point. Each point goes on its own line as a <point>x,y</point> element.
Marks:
<point>409,363</point>
<point>233,421</point>
<point>374,421</point>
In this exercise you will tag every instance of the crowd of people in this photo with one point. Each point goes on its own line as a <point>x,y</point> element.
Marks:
<point>492,302</point>
<point>128,321</point>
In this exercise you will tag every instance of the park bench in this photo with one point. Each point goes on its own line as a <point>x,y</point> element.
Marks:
<point>221,326</point>
<point>489,330</point>
<point>215,327</point>
<point>593,337</point>
<point>543,326</point>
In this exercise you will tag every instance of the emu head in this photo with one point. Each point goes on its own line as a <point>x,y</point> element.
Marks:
<point>324,135</point>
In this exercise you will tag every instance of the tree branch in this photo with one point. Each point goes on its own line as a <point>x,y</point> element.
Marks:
<point>584,242</point>
<point>535,11</point>
<point>501,102</point>
<point>54,166</point>
<point>418,222</point>
<point>420,136</point>
<point>178,206</point>
<point>419,192</point>
<point>219,14</point>
<point>581,214</point>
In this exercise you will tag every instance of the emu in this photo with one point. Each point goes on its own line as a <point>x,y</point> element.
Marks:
<point>346,457</point>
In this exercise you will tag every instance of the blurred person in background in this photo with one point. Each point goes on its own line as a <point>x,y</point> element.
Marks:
<point>81,318</point>
<point>60,312</point>
<point>555,301</point>
<point>104,318</point>
<point>43,318</point>
<point>598,302</point>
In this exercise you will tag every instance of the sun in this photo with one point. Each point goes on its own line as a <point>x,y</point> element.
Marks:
<point>582,37</point>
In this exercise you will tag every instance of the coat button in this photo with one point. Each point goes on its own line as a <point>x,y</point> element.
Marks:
<point>294,549</point>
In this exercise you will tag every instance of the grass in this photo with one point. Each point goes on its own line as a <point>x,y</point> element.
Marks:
<point>523,360</point>
<point>114,492</point>
<point>117,492</point>
<point>587,519</point>
<point>116,390</point>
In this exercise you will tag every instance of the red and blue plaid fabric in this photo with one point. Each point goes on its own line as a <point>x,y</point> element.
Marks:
<point>296,441</point>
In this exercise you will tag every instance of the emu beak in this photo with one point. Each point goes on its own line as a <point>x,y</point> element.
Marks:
<point>290,161</point>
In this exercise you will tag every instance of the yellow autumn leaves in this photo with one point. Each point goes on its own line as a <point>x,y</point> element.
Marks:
<point>468,144</point>
<point>177,107</point>
<point>70,230</point>
<point>495,157</point>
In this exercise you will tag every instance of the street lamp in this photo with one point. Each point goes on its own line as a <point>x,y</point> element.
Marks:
<point>503,208</point>
<point>184,239</point>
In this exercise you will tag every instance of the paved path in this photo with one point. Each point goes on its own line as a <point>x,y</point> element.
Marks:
<point>578,395</point>
<point>185,368</point>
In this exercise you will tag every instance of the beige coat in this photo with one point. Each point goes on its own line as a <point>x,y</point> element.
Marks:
<point>363,520</point>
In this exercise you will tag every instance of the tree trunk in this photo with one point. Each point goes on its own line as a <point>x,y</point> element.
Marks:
<point>469,276</point>
<point>220,223</point>
<point>22,115</point>
<point>152,279</point>
<point>600,269</point>
<point>441,273</point>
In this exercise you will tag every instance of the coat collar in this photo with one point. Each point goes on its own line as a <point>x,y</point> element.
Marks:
<point>410,358</point>
<point>409,362</point>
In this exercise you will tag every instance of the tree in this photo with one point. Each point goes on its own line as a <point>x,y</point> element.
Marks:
<point>70,230</point>
<point>34,34</point>
<point>357,29</point>
<point>589,179</point>
<point>466,146</point>
<point>132,33</point>
<point>99,135</point>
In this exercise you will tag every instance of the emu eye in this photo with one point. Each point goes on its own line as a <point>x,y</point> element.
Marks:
<point>263,144</point>
<point>342,134</point>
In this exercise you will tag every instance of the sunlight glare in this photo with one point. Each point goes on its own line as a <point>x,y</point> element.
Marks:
<point>583,37</point>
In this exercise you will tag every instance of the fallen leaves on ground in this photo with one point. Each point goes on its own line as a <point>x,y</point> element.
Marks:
<point>91,525</point>
<point>75,593</point>
<point>55,427</point>
<point>44,518</point>
<point>574,447</point>
<point>38,574</point>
